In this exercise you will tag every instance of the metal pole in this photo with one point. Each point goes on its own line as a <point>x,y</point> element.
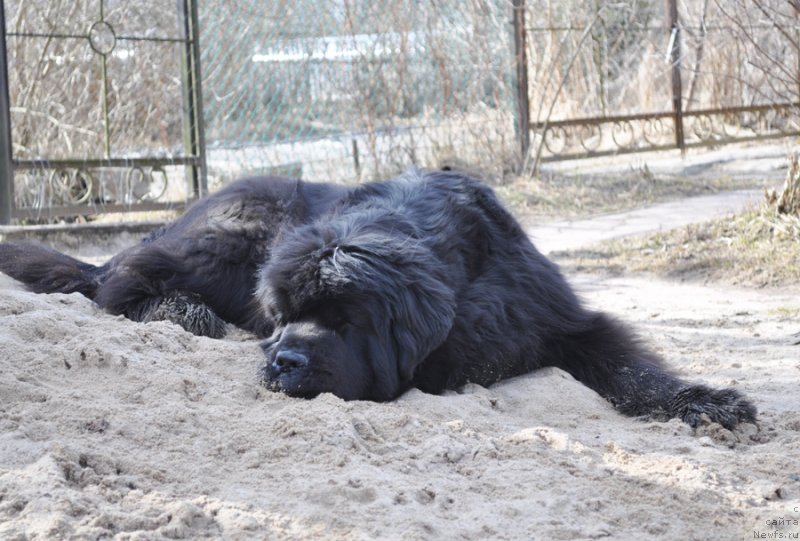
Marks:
<point>675,61</point>
<point>521,61</point>
<point>194,133</point>
<point>199,119</point>
<point>796,6</point>
<point>6,167</point>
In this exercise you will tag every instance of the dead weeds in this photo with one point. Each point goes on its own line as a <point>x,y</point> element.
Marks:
<point>552,197</point>
<point>757,248</point>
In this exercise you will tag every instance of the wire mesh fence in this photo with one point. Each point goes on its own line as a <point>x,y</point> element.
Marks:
<point>355,90</point>
<point>631,76</point>
<point>106,111</point>
<point>98,107</point>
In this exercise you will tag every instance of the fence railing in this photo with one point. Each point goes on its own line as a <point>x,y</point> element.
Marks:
<point>683,124</point>
<point>102,110</point>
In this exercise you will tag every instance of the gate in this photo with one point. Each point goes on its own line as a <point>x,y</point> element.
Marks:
<point>100,107</point>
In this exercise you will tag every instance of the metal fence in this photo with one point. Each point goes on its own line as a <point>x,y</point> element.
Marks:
<point>107,107</point>
<point>355,90</point>
<point>645,76</point>
<point>102,107</point>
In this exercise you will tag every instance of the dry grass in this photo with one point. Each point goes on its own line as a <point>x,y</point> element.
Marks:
<point>559,197</point>
<point>555,197</point>
<point>758,248</point>
<point>138,216</point>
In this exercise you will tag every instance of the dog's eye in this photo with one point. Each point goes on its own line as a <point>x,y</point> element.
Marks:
<point>333,316</point>
<point>338,321</point>
<point>341,323</point>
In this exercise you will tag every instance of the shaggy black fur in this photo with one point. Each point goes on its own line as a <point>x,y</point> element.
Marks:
<point>198,271</point>
<point>422,281</point>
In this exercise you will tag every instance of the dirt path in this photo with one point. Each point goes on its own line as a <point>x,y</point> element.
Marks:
<point>571,234</point>
<point>114,429</point>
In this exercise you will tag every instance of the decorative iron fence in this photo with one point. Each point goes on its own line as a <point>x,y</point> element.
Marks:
<point>639,79</point>
<point>102,107</point>
<point>103,111</point>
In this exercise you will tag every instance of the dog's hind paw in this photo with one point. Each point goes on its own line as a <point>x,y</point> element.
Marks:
<point>724,406</point>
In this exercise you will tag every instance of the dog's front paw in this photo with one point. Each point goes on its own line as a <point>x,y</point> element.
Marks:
<point>190,313</point>
<point>724,406</point>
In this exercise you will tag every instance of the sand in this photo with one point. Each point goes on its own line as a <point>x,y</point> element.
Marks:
<point>111,429</point>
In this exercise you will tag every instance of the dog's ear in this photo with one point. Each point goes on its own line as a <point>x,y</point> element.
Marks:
<point>386,272</point>
<point>417,307</point>
<point>421,317</point>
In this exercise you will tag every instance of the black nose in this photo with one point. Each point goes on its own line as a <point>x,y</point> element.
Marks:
<point>287,360</point>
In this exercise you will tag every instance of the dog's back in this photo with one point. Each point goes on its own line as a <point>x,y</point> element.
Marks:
<point>208,256</point>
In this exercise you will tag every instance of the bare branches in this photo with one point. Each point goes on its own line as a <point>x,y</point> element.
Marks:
<point>769,51</point>
<point>358,89</point>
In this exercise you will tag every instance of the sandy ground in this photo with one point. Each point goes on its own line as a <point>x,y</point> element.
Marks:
<point>115,429</point>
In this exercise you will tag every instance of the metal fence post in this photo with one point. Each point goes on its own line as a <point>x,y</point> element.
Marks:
<point>6,168</point>
<point>796,100</point>
<point>194,133</point>
<point>523,124</point>
<point>675,62</point>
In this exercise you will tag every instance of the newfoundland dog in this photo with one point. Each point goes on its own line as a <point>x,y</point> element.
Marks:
<point>421,281</point>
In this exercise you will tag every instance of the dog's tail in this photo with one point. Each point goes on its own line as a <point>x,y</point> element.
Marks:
<point>44,270</point>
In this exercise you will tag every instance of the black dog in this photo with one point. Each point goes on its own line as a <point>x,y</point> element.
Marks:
<point>198,271</point>
<point>424,280</point>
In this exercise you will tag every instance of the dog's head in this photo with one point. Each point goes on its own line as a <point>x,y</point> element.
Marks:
<point>358,305</point>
